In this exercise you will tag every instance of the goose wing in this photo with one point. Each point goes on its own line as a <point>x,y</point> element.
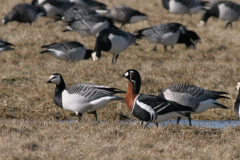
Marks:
<point>161,106</point>
<point>64,46</point>
<point>233,5</point>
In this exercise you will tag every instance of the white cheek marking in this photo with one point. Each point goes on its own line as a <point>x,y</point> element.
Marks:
<point>126,74</point>
<point>239,111</point>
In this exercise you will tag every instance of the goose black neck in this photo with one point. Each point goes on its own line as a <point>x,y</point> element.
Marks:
<point>88,54</point>
<point>238,97</point>
<point>137,85</point>
<point>57,98</point>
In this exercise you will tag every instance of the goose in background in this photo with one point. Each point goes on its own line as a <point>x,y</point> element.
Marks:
<point>237,103</point>
<point>195,97</point>
<point>224,10</point>
<point>83,97</point>
<point>112,40</point>
<point>5,46</point>
<point>75,14</point>
<point>169,34</point>
<point>184,6</point>
<point>53,8</point>
<point>23,13</point>
<point>68,51</point>
<point>150,108</point>
<point>89,26</point>
<point>124,15</point>
<point>89,4</point>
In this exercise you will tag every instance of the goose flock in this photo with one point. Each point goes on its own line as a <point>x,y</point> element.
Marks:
<point>93,18</point>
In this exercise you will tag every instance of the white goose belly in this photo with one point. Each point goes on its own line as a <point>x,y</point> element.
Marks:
<point>176,7</point>
<point>227,14</point>
<point>119,43</point>
<point>75,102</point>
<point>165,117</point>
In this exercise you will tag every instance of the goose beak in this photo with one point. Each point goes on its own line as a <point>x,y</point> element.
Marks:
<point>49,81</point>
<point>123,75</point>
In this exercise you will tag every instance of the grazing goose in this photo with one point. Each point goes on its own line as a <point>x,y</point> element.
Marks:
<point>82,97</point>
<point>112,40</point>
<point>23,13</point>
<point>150,108</point>
<point>224,10</point>
<point>53,8</point>
<point>75,14</point>
<point>169,34</point>
<point>89,4</point>
<point>195,97</point>
<point>124,14</point>
<point>68,51</point>
<point>237,103</point>
<point>89,26</point>
<point>184,6</point>
<point>5,46</point>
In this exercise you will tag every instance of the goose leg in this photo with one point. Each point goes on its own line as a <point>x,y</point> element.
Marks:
<point>95,114</point>
<point>165,48</point>
<point>189,118</point>
<point>116,57</point>
<point>156,124</point>
<point>178,119</point>
<point>228,23</point>
<point>123,25</point>
<point>155,47</point>
<point>113,58</point>
<point>79,116</point>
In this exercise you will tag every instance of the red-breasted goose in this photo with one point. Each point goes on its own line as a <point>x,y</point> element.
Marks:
<point>68,51</point>
<point>113,40</point>
<point>169,34</point>
<point>237,103</point>
<point>124,14</point>
<point>224,10</point>
<point>195,97</point>
<point>184,6</point>
<point>82,97</point>
<point>150,108</point>
<point>23,13</point>
<point>5,46</point>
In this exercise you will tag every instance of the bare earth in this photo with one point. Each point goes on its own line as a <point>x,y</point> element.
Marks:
<point>28,126</point>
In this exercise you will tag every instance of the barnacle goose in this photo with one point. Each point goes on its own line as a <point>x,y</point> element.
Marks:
<point>184,6</point>
<point>82,97</point>
<point>89,4</point>
<point>124,14</point>
<point>75,14</point>
<point>224,10</point>
<point>5,46</point>
<point>113,40</point>
<point>150,108</point>
<point>53,8</point>
<point>169,34</point>
<point>68,51</point>
<point>195,97</point>
<point>23,13</point>
<point>89,26</point>
<point>237,103</point>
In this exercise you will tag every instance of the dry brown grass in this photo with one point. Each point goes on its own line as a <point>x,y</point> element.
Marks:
<point>25,95</point>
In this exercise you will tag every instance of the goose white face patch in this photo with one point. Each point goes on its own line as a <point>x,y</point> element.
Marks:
<point>55,79</point>
<point>238,86</point>
<point>126,74</point>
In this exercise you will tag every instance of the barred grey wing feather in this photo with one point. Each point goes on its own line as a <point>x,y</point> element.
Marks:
<point>233,5</point>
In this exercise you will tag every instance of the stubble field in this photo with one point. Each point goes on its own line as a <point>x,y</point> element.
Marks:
<point>29,120</point>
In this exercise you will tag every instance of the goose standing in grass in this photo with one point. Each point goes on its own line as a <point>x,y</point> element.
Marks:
<point>23,13</point>
<point>5,46</point>
<point>224,10</point>
<point>89,26</point>
<point>89,4</point>
<point>124,14</point>
<point>68,51</point>
<point>113,40</point>
<point>237,103</point>
<point>53,8</point>
<point>195,97</point>
<point>169,34</point>
<point>150,108</point>
<point>75,14</point>
<point>82,97</point>
<point>184,6</point>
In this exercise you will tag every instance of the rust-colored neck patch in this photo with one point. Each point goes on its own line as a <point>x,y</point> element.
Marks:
<point>130,96</point>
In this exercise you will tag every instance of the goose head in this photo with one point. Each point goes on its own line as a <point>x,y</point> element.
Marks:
<point>134,77</point>
<point>55,79</point>
<point>238,85</point>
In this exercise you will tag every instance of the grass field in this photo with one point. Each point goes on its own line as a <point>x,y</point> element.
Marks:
<point>25,96</point>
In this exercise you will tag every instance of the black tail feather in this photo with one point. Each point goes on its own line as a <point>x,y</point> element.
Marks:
<point>221,106</point>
